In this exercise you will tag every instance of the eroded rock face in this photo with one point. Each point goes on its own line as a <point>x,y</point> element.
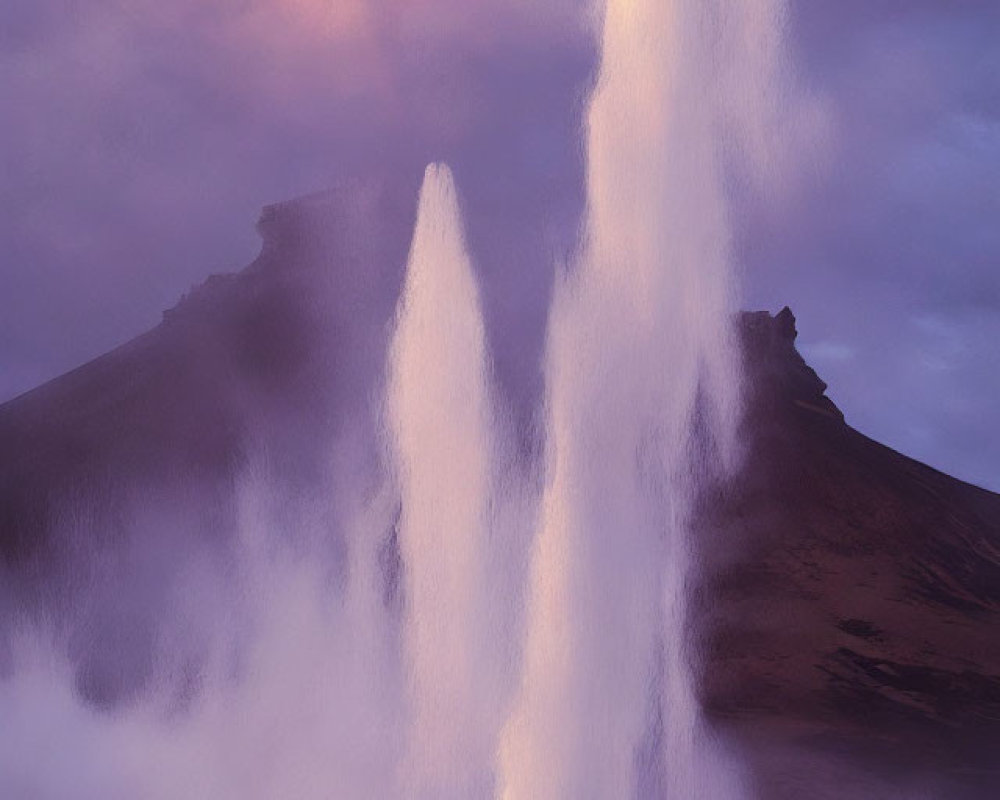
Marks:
<point>850,601</point>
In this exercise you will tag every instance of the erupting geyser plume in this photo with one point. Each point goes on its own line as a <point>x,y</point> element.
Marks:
<point>643,401</point>
<point>441,417</point>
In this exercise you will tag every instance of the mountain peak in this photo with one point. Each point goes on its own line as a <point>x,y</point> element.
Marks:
<point>779,375</point>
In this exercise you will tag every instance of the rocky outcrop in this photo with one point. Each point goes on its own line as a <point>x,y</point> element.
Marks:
<point>851,596</point>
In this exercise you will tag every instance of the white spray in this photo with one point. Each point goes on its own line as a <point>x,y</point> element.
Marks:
<point>298,697</point>
<point>643,373</point>
<point>440,414</point>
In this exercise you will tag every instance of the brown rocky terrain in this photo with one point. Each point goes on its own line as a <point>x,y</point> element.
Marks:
<point>850,603</point>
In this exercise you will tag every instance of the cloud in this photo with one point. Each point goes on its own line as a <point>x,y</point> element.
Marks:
<point>899,225</point>
<point>827,351</point>
<point>144,137</point>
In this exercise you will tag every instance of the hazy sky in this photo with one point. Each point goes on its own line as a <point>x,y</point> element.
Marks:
<point>141,138</point>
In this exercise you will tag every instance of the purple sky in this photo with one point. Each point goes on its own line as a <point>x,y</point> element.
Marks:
<point>141,139</point>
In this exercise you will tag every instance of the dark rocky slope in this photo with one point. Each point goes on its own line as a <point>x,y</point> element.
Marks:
<point>850,601</point>
<point>299,334</point>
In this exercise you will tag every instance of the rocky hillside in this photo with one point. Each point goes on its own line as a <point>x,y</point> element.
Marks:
<point>299,334</point>
<point>850,601</point>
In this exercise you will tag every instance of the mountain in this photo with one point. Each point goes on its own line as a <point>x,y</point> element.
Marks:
<point>236,355</point>
<point>121,474</point>
<point>850,596</point>
<point>846,612</point>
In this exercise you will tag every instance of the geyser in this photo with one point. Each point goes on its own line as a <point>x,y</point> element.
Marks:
<point>441,418</point>
<point>642,404</point>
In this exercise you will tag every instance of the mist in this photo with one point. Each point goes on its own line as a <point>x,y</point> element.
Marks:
<point>463,566</point>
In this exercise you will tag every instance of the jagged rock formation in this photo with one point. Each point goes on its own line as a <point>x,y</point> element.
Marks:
<point>849,597</point>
